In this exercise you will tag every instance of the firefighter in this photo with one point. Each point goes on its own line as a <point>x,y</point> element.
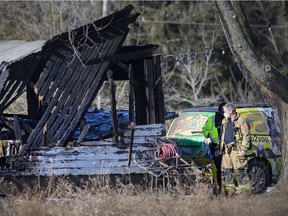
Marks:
<point>234,144</point>
<point>211,131</point>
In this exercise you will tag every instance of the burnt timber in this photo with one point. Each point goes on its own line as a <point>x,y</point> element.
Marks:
<point>61,78</point>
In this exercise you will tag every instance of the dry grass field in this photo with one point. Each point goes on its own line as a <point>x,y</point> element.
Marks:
<point>98,198</point>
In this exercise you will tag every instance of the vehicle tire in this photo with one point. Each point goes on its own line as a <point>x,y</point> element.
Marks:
<point>259,176</point>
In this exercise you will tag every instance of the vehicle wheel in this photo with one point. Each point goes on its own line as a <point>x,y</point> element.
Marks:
<point>259,176</point>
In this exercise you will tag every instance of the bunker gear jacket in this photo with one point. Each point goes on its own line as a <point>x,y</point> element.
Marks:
<point>241,133</point>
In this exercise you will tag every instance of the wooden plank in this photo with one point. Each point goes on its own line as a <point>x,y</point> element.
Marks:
<point>84,132</point>
<point>140,93</point>
<point>66,118</point>
<point>54,107</point>
<point>92,91</point>
<point>44,74</point>
<point>113,105</point>
<point>79,161</point>
<point>132,82</point>
<point>79,88</point>
<point>79,92</point>
<point>49,74</point>
<point>150,90</point>
<point>131,143</point>
<point>160,107</point>
<point>77,113</point>
<point>22,73</point>
<point>17,129</point>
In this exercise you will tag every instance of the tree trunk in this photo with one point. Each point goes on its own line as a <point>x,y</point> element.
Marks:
<point>271,85</point>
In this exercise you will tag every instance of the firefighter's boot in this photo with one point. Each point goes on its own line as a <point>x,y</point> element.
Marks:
<point>228,181</point>
<point>243,180</point>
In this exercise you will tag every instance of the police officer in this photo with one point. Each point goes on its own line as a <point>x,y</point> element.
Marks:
<point>234,144</point>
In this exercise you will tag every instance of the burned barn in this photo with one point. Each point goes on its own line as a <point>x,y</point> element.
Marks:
<point>61,77</point>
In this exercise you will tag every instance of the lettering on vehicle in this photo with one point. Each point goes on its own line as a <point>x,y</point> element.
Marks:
<point>261,139</point>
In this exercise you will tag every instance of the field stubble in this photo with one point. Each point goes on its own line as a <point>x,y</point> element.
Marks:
<point>97,197</point>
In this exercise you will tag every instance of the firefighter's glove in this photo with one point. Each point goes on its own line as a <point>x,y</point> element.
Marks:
<point>242,153</point>
<point>207,140</point>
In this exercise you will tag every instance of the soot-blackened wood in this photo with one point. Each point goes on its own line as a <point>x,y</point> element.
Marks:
<point>44,74</point>
<point>17,82</point>
<point>89,97</point>
<point>88,91</point>
<point>85,86</point>
<point>17,129</point>
<point>132,83</point>
<point>96,26</point>
<point>33,106</point>
<point>140,93</point>
<point>59,100</point>
<point>68,76</point>
<point>145,134</point>
<point>35,109</point>
<point>36,137</point>
<point>131,143</point>
<point>113,105</point>
<point>6,122</point>
<point>56,72</point>
<point>84,132</point>
<point>160,107</point>
<point>69,95</point>
<point>72,115</point>
<point>92,91</point>
<point>150,90</point>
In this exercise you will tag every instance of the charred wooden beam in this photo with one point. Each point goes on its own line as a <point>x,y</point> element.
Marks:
<point>132,83</point>
<point>113,105</point>
<point>140,93</point>
<point>149,52</point>
<point>149,72</point>
<point>131,143</point>
<point>159,95</point>
<point>16,82</point>
<point>17,129</point>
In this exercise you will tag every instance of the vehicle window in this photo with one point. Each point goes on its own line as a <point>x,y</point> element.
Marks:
<point>186,124</point>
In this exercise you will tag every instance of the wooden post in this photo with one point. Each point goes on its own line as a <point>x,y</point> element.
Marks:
<point>113,105</point>
<point>131,93</point>
<point>140,93</point>
<point>131,143</point>
<point>17,132</point>
<point>150,90</point>
<point>159,96</point>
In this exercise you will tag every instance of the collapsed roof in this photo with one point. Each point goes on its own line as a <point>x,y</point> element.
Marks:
<point>63,75</point>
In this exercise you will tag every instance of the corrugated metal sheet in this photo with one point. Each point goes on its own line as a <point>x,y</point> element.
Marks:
<point>15,50</point>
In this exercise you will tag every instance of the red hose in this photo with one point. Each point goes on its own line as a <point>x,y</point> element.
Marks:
<point>167,151</point>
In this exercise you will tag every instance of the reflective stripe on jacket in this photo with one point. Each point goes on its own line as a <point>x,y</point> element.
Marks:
<point>241,132</point>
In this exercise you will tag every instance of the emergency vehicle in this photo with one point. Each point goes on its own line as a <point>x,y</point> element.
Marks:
<point>264,157</point>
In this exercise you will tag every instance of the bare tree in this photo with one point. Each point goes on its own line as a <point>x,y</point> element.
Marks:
<point>260,73</point>
<point>186,82</point>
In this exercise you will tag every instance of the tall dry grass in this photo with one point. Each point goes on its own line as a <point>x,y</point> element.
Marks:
<point>98,197</point>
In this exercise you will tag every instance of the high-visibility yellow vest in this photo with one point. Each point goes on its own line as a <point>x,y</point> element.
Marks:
<point>210,130</point>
